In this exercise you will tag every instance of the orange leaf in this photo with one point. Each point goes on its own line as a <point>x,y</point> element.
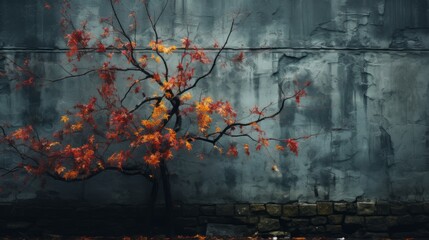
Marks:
<point>71,175</point>
<point>188,145</point>
<point>280,147</point>
<point>77,127</point>
<point>64,119</point>
<point>153,158</point>
<point>23,133</point>
<point>59,169</point>
<point>275,168</point>
<point>246,149</point>
<point>119,158</point>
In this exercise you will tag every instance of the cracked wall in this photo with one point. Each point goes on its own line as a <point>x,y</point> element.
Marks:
<point>367,61</point>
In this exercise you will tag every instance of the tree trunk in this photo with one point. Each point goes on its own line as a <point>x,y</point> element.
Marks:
<point>167,196</point>
<point>153,197</point>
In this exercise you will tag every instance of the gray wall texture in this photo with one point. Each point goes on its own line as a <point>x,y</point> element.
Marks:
<point>368,62</point>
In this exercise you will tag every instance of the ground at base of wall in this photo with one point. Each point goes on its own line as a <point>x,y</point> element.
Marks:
<point>352,220</point>
<point>199,237</point>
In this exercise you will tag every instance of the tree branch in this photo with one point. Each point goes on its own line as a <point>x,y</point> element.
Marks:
<point>237,124</point>
<point>134,62</point>
<point>214,62</point>
<point>145,101</point>
<point>157,37</point>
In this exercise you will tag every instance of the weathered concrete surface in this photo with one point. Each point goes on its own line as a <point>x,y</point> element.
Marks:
<point>367,61</point>
<point>381,24</point>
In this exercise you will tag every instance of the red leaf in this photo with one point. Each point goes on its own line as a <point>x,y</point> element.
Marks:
<point>107,73</point>
<point>299,94</point>
<point>28,82</point>
<point>199,55</point>
<point>239,58</point>
<point>292,145</point>
<point>47,6</point>
<point>186,43</point>
<point>101,48</point>
<point>216,44</point>
<point>255,110</point>
<point>77,39</point>
<point>232,151</point>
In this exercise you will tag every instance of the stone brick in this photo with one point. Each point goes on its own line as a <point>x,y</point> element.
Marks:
<point>376,223</point>
<point>22,211</point>
<point>406,220</point>
<point>404,235</point>
<point>354,220</point>
<point>274,209</point>
<point>208,210</point>
<point>240,219</point>
<point>285,220</point>
<point>306,229</point>
<point>382,208</point>
<point>257,208</point>
<point>319,229</point>
<point>340,207</point>
<point>377,235</point>
<point>268,224</point>
<point>159,210</point>
<point>177,210</point>
<point>335,219</point>
<point>319,220</point>
<point>421,219</point>
<point>5,209</point>
<point>202,220</point>
<point>190,230</point>
<point>225,210</point>
<point>392,221</point>
<point>415,208</point>
<point>298,222</point>
<point>222,230</point>
<point>426,207</point>
<point>187,221</point>
<point>280,234</point>
<point>215,219</point>
<point>15,225</point>
<point>351,208</point>
<point>190,210</point>
<point>365,208</point>
<point>307,209</point>
<point>290,210</point>
<point>252,220</point>
<point>325,208</point>
<point>242,209</point>
<point>313,229</point>
<point>334,229</point>
<point>398,209</point>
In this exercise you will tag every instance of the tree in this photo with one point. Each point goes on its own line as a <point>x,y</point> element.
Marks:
<point>113,132</point>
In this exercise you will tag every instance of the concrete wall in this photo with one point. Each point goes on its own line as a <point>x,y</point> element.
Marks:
<point>368,103</point>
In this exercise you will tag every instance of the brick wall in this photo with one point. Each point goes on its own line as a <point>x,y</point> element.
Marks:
<point>355,219</point>
<point>359,219</point>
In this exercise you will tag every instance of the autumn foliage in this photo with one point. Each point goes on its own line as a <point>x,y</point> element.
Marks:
<point>137,138</point>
